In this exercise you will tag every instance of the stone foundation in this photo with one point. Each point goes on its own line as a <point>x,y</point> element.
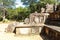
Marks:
<point>51,32</point>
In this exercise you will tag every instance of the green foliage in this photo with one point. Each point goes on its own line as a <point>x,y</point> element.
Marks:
<point>4,5</point>
<point>48,1</point>
<point>35,5</point>
<point>28,2</point>
<point>22,13</point>
<point>18,13</point>
<point>11,13</point>
<point>8,3</point>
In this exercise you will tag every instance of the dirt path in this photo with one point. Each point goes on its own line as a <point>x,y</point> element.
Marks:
<point>11,36</point>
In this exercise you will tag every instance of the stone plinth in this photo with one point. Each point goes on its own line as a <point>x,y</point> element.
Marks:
<point>28,29</point>
<point>23,31</point>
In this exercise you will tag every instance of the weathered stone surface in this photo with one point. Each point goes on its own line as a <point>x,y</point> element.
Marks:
<point>35,30</point>
<point>42,10</point>
<point>34,18</point>
<point>49,8</point>
<point>37,18</point>
<point>26,21</point>
<point>11,27</point>
<point>3,26</point>
<point>23,31</point>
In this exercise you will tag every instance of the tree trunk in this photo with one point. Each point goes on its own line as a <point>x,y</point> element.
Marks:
<point>4,12</point>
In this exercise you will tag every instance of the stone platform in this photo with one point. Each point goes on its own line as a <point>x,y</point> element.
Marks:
<point>30,29</point>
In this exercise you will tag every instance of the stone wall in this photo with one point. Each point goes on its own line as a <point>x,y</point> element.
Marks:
<point>55,15</point>
<point>51,32</point>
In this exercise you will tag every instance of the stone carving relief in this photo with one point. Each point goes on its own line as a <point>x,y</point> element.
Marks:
<point>34,18</point>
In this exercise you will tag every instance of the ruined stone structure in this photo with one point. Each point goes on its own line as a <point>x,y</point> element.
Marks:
<point>42,10</point>
<point>49,8</point>
<point>38,17</point>
<point>11,27</point>
<point>51,32</point>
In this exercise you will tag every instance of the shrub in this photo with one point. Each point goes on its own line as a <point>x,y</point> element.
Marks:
<point>6,20</point>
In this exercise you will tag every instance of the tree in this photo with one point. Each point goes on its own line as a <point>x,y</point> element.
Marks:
<point>28,2</point>
<point>48,1</point>
<point>19,13</point>
<point>35,5</point>
<point>11,14</point>
<point>22,13</point>
<point>6,4</point>
<point>31,4</point>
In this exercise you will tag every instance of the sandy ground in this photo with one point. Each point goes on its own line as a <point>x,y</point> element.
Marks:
<point>12,36</point>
